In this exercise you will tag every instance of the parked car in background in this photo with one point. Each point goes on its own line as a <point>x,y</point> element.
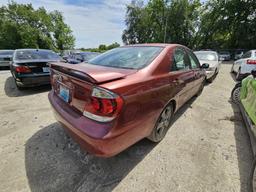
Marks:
<point>211,58</point>
<point>68,53</point>
<point>243,66</point>
<point>225,55</point>
<point>30,66</point>
<point>80,57</point>
<point>5,57</point>
<point>104,102</point>
<point>238,54</point>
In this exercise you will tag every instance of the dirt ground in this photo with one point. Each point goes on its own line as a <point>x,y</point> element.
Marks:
<point>206,150</point>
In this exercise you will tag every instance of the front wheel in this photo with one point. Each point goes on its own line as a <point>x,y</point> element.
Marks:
<point>162,125</point>
<point>235,94</point>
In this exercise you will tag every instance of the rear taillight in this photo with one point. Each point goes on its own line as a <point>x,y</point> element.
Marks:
<point>251,62</point>
<point>22,69</point>
<point>103,105</point>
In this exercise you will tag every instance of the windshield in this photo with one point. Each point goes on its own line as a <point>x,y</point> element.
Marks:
<point>35,55</point>
<point>6,52</point>
<point>127,57</point>
<point>206,56</point>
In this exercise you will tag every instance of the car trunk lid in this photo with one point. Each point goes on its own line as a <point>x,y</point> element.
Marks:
<point>74,83</point>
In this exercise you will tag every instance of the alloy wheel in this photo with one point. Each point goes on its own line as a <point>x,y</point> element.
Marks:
<point>164,122</point>
<point>236,95</point>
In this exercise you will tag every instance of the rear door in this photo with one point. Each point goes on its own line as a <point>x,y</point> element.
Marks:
<point>198,73</point>
<point>181,75</point>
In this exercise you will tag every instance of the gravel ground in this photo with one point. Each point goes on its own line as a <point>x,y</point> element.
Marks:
<point>206,149</point>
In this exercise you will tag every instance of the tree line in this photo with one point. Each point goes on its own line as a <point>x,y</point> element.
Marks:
<point>102,48</point>
<point>22,26</point>
<point>214,24</point>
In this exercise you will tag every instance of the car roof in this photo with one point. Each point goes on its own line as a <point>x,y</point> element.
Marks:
<point>154,45</point>
<point>34,50</point>
<point>205,52</point>
<point>6,50</point>
<point>85,52</point>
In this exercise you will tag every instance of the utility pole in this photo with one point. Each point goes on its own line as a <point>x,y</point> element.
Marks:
<point>166,18</point>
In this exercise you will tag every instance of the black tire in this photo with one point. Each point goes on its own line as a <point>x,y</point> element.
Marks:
<point>19,87</point>
<point>210,80</point>
<point>162,125</point>
<point>252,177</point>
<point>235,93</point>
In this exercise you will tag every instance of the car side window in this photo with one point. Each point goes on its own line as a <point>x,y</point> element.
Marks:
<point>247,55</point>
<point>193,61</point>
<point>180,60</point>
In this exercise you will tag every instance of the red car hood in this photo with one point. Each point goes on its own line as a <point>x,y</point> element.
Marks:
<point>96,73</point>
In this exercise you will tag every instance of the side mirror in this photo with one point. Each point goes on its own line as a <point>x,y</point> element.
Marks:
<point>221,59</point>
<point>205,66</point>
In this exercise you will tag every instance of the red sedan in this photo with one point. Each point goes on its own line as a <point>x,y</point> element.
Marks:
<point>124,95</point>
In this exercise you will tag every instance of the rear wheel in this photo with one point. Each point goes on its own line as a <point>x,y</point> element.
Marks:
<point>18,86</point>
<point>162,125</point>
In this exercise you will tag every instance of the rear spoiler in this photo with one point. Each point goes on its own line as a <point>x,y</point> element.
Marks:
<point>71,70</point>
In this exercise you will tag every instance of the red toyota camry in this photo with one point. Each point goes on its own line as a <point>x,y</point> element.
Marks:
<point>124,95</point>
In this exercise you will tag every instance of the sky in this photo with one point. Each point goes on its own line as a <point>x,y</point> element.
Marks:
<point>93,22</point>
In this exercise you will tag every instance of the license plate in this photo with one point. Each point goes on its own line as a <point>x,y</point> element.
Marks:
<point>46,69</point>
<point>64,93</point>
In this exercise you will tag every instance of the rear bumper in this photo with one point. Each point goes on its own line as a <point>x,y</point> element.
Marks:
<point>92,136</point>
<point>32,80</point>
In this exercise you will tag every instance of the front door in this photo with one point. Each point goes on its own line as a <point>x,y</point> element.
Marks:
<point>181,75</point>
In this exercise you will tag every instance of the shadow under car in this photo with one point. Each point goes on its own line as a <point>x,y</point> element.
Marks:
<point>11,89</point>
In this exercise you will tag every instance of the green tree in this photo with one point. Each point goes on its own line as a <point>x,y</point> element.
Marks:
<point>161,21</point>
<point>62,32</point>
<point>22,26</point>
<point>113,45</point>
<point>215,24</point>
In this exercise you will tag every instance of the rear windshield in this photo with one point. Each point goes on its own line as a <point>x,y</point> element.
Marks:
<point>127,57</point>
<point>6,52</point>
<point>206,56</point>
<point>35,55</point>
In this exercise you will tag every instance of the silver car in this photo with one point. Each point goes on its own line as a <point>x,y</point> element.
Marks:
<point>211,58</point>
<point>5,57</point>
<point>243,66</point>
